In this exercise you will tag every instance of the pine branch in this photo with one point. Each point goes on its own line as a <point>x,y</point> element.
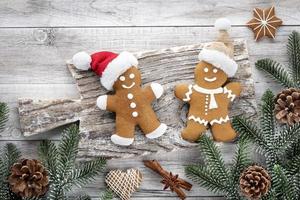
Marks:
<point>67,150</point>
<point>61,163</point>
<point>10,155</point>
<point>288,136</point>
<point>213,158</point>
<point>276,71</point>
<point>293,51</point>
<point>47,152</point>
<point>205,178</point>
<point>107,195</point>
<point>267,116</point>
<point>85,173</point>
<point>248,130</point>
<point>241,159</point>
<point>3,115</point>
<point>281,183</point>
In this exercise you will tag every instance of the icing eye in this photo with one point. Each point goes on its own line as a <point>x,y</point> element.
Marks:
<point>122,78</point>
<point>215,70</point>
<point>131,76</point>
<point>205,69</point>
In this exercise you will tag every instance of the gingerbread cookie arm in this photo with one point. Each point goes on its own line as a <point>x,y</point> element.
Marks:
<point>183,92</point>
<point>153,91</point>
<point>232,90</point>
<point>106,102</point>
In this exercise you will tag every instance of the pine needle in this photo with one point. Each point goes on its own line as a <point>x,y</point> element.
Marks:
<point>281,183</point>
<point>10,155</point>
<point>267,116</point>
<point>205,178</point>
<point>3,115</point>
<point>107,195</point>
<point>213,158</point>
<point>276,71</point>
<point>241,159</point>
<point>64,172</point>
<point>293,51</point>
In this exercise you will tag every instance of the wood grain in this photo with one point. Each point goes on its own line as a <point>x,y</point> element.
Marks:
<point>168,67</point>
<point>36,38</point>
<point>82,13</point>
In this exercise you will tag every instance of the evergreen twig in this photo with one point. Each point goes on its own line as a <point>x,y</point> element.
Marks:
<point>107,195</point>
<point>293,51</point>
<point>64,172</point>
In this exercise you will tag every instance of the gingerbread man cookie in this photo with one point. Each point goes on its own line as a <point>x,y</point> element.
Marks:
<point>211,95</point>
<point>130,102</point>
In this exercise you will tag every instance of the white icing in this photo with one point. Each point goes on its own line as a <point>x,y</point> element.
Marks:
<point>130,96</point>
<point>215,70</point>
<point>102,102</point>
<point>122,78</point>
<point>229,94</point>
<point>159,131</point>
<point>205,69</point>
<point>205,122</point>
<point>128,87</point>
<point>188,94</point>
<point>220,121</point>
<point>121,140</point>
<point>131,76</point>
<point>210,79</point>
<point>212,103</point>
<point>133,105</point>
<point>198,119</point>
<point>157,89</point>
<point>135,114</point>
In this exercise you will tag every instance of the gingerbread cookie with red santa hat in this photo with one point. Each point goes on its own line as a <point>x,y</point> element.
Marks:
<point>130,102</point>
<point>211,94</point>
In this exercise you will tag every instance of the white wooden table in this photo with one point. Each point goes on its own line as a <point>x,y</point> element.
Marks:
<point>36,37</point>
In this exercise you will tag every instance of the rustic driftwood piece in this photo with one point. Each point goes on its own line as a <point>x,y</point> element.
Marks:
<point>168,67</point>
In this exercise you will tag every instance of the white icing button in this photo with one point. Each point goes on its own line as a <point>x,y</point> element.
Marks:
<point>132,105</point>
<point>206,106</point>
<point>129,96</point>
<point>135,114</point>
<point>205,113</point>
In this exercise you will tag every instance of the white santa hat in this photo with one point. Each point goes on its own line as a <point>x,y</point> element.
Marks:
<point>220,53</point>
<point>108,65</point>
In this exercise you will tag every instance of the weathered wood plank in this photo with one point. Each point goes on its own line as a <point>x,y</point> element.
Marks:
<point>23,53</point>
<point>169,67</point>
<point>28,13</point>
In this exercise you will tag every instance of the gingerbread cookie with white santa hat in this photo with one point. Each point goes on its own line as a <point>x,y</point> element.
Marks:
<point>131,102</point>
<point>211,94</point>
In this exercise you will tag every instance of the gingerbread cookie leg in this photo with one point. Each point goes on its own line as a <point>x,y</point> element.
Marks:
<point>193,131</point>
<point>154,129</point>
<point>124,132</point>
<point>223,132</point>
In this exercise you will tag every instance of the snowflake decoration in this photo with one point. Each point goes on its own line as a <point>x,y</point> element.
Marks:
<point>264,23</point>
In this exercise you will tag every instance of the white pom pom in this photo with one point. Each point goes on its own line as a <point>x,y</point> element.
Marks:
<point>82,60</point>
<point>223,24</point>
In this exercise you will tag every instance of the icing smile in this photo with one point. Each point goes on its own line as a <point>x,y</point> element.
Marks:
<point>210,79</point>
<point>128,87</point>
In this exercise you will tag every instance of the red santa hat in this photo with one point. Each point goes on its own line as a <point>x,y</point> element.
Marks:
<point>108,65</point>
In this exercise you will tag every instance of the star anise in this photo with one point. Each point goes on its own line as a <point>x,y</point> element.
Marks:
<point>264,23</point>
<point>171,181</point>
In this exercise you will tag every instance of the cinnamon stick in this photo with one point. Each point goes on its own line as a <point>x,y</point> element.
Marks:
<point>171,181</point>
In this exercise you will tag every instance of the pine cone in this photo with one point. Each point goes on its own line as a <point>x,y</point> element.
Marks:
<point>28,178</point>
<point>255,182</point>
<point>287,106</point>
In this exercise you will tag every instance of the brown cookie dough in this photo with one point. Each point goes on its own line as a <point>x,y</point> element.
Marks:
<point>210,96</point>
<point>131,102</point>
